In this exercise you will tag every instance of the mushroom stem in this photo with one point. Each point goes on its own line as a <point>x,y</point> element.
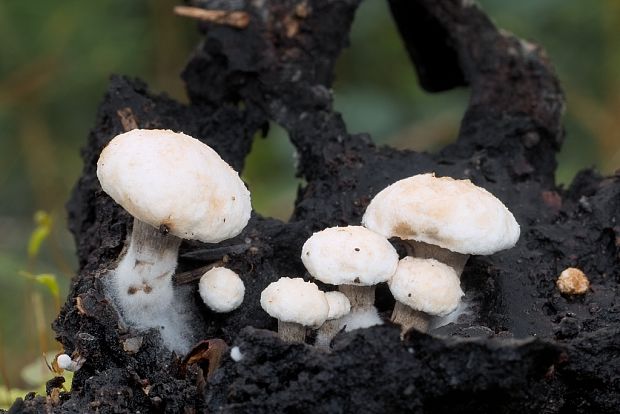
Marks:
<point>291,332</point>
<point>409,318</point>
<point>428,251</point>
<point>143,277</point>
<point>326,333</point>
<point>359,296</point>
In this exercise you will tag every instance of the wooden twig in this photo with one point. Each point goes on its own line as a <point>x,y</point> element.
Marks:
<point>193,275</point>
<point>238,19</point>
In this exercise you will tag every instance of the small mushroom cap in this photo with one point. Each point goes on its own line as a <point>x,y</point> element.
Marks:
<point>573,281</point>
<point>454,214</point>
<point>350,255</point>
<point>295,300</point>
<point>64,361</point>
<point>166,178</point>
<point>426,285</point>
<point>221,289</point>
<point>339,305</point>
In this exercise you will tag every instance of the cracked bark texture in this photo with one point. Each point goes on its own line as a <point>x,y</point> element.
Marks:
<point>524,347</point>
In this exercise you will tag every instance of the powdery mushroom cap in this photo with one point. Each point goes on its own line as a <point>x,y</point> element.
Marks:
<point>426,285</point>
<point>454,214</point>
<point>295,300</point>
<point>573,281</point>
<point>166,178</point>
<point>350,255</point>
<point>221,289</point>
<point>339,305</point>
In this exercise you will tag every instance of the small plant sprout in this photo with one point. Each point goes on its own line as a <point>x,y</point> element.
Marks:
<point>573,281</point>
<point>221,289</point>
<point>353,258</point>
<point>339,306</point>
<point>176,188</point>
<point>423,287</point>
<point>296,304</point>
<point>442,218</point>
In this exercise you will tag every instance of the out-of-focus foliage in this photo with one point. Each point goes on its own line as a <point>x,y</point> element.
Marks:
<point>56,57</point>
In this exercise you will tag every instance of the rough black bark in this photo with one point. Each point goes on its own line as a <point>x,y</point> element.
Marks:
<point>567,355</point>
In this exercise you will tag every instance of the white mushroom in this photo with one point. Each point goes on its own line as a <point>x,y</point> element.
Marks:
<point>176,188</point>
<point>296,304</point>
<point>442,218</point>
<point>65,362</point>
<point>423,287</point>
<point>354,258</point>
<point>339,306</point>
<point>221,289</point>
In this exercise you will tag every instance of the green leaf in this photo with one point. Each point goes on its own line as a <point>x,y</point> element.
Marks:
<point>46,279</point>
<point>44,226</point>
<point>49,281</point>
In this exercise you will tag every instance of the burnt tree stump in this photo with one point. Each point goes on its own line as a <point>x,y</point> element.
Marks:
<point>524,347</point>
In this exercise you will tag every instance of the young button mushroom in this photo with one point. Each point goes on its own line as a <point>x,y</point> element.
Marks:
<point>296,304</point>
<point>339,306</point>
<point>221,289</point>
<point>354,258</point>
<point>423,287</point>
<point>176,188</point>
<point>442,218</point>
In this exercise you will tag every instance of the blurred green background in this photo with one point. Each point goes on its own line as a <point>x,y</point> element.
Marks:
<point>55,60</point>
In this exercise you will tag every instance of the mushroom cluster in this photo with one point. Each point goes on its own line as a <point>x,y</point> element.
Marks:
<point>178,188</point>
<point>441,221</point>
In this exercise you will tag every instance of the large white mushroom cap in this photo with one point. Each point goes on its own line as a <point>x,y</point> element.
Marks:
<point>454,214</point>
<point>426,285</point>
<point>166,178</point>
<point>350,255</point>
<point>295,300</point>
<point>339,305</point>
<point>221,289</point>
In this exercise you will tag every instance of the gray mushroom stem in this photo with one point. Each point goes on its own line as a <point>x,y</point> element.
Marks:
<point>291,332</point>
<point>409,318</point>
<point>146,268</point>
<point>326,333</point>
<point>423,250</point>
<point>359,296</point>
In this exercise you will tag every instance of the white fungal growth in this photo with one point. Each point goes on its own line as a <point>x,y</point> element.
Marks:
<point>361,318</point>
<point>462,309</point>
<point>235,354</point>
